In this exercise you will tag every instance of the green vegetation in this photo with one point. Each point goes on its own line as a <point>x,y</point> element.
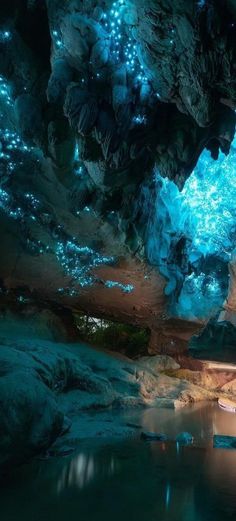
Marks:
<point>124,338</point>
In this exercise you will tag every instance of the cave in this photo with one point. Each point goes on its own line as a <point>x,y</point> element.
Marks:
<point>118,259</point>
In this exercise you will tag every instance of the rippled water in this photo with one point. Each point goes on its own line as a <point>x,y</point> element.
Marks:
<point>133,479</point>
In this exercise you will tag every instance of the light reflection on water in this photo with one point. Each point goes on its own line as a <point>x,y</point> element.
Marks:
<point>83,469</point>
<point>133,479</point>
<point>202,420</point>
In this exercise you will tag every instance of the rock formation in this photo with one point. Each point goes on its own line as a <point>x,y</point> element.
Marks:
<point>117,168</point>
<point>45,388</point>
<point>95,96</point>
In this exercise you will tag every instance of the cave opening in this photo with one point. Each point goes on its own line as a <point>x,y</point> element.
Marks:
<point>117,259</point>
<point>127,339</point>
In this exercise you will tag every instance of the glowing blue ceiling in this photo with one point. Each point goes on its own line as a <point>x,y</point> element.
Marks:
<point>209,203</point>
<point>188,228</point>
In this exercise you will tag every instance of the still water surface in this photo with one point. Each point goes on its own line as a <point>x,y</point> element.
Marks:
<point>134,480</point>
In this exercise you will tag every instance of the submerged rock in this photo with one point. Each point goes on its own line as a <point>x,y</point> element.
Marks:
<point>224,442</point>
<point>184,438</point>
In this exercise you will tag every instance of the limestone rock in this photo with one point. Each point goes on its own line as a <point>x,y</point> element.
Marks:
<point>207,380</point>
<point>30,417</point>
<point>159,363</point>
<point>229,387</point>
<point>46,386</point>
<point>99,107</point>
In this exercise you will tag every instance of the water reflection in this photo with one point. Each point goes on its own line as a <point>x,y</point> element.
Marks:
<point>201,420</point>
<point>168,490</point>
<point>135,480</point>
<point>83,469</point>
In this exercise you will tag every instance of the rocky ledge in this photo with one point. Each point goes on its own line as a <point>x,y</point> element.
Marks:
<point>48,388</point>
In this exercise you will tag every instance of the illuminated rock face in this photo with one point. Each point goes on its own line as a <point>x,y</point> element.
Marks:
<point>191,235</point>
<point>98,103</point>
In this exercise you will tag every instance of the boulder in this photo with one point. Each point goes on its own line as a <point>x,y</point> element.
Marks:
<point>159,363</point>
<point>30,419</point>
<point>224,442</point>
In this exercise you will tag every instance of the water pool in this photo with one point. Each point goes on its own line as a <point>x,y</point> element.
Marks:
<point>132,479</point>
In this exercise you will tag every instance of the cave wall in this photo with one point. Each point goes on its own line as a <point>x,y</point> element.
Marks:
<point>95,99</point>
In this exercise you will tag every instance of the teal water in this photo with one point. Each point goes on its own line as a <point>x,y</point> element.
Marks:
<point>129,480</point>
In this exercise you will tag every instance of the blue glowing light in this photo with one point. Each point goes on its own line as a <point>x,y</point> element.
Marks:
<point>78,261</point>
<point>200,295</point>
<point>201,3</point>
<point>13,148</point>
<point>126,288</point>
<point>205,211</point>
<point>5,91</point>
<point>5,36</point>
<point>76,153</point>
<point>123,45</point>
<point>79,171</point>
<point>8,206</point>
<point>168,495</point>
<point>32,201</point>
<point>4,198</point>
<point>140,119</point>
<point>203,217</point>
<point>208,201</point>
<point>13,154</point>
<point>56,39</point>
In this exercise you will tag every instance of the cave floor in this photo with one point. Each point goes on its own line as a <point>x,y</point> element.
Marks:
<point>108,478</point>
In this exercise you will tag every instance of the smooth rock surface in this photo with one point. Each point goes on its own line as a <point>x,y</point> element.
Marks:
<point>44,386</point>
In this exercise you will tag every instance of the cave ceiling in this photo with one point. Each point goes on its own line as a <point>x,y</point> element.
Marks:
<point>117,159</point>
